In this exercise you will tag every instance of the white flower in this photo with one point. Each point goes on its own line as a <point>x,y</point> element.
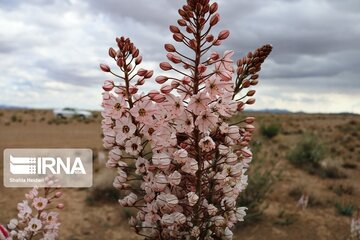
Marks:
<point>193,198</point>
<point>228,234</point>
<point>174,178</point>
<point>13,223</point>
<point>133,146</point>
<point>34,225</point>
<point>240,213</point>
<point>161,160</point>
<point>207,144</point>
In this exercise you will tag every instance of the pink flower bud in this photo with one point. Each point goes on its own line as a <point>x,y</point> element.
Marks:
<point>161,79</point>
<point>214,19</point>
<point>209,38</point>
<point>181,22</point>
<point>104,68</point>
<point>250,128</point>
<point>138,60</point>
<point>251,93</point>
<point>186,80</point>
<point>178,37</point>
<point>153,93</point>
<point>170,48</point>
<point>173,58</point>
<point>250,101</point>
<point>159,99</point>
<point>214,56</point>
<point>174,29</point>
<point>213,8</point>
<point>60,206</point>
<point>165,66</point>
<point>133,89</point>
<point>175,84</point>
<point>108,85</point>
<point>224,34</point>
<point>142,72</point>
<point>217,42</point>
<point>193,43</point>
<point>250,120</point>
<point>140,81</point>
<point>202,68</point>
<point>112,52</point>
<point>135,53</point>
<point>58,194</point>
<point>149,74</point>
<point>190,29</point>
<point>166,89</point>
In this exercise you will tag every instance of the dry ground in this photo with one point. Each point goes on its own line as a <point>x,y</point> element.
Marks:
<point>281,218</point>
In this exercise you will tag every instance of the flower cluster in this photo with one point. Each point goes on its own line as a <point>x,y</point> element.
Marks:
<point>180,160</point>
<point>355,226</point>
<point>35,220</point>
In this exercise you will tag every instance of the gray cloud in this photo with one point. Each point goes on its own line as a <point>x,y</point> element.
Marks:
<point>315,42</point>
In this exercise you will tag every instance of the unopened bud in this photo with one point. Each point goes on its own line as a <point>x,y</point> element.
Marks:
<point>224,34</point>
<point>149,74</point>
<point>246,83</point>
<point>138,60</point>
<point>60,206</point>
<point>112,52</point>
<point>161,79</point>
<point>250,120</point>
<point>254,82</point>
<point>214,19</point>
<point>140,81</point>
<point>104,68</point>
<point>186,80</point>
<point>210,38</point>
<point>213,8</point>
<point>108,85</point>
<point>250,101</point>
<point>169,47</point>
<point>174,29</point>
<point>159,98</point>
<point>153,93</point>
<point>133,89</point>
<point>166,89</point>
<point>174,84</point>
<point>182,22</point>
<point>250,93</point>
<point>165,66</point>
<point>178,37</point>
<point>58,194</point>
<point>142,72</point>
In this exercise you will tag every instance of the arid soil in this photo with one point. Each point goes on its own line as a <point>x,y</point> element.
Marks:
<point>86,218</point>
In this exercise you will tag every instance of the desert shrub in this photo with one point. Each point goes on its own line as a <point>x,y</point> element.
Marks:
<point>1,114</point>
<point>259,184</point>
<point>271,130</point>
<point>342,189</point>
<point>331,172</point>
<point>307,153</point>
<point>346,209</point>
<point>285,218</point>
<point>14,118</point>
<point>349,165</point>
<point>106,194</point>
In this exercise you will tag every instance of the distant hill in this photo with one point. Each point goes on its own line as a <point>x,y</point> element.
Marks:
<point>270,110</point>
<point>11,107</point>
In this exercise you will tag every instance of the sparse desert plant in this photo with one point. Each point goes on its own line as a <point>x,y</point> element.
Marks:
<point>308,152</point>
<point>284,218</point>
<point>346,209</point>
<point>348,165</point>
<point>341,189</point>
<point>312,200</point>
<point>333,172</point>
<point>187,185</point>
<point>101,195</point>
<point>14,118</point>
<point>270,130</point>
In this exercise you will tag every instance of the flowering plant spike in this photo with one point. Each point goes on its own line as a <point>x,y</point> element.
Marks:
<point>36,218</point>
<point>180,162</point>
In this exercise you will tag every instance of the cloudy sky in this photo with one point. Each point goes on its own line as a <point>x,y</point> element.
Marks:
<point>50,49</point>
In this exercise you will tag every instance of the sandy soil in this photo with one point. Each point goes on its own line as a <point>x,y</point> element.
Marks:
<point>282,219</point>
